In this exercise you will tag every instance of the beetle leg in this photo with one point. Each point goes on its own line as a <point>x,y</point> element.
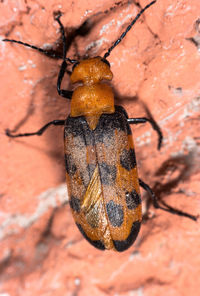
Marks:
<point>153,124</point>
<point>38,133</point>
<point>167,208</point>
<point>62,92</point>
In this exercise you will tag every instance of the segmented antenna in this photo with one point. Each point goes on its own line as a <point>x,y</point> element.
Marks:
<point>72,61</point>
<point>51,54</point>
<point>127,29</point>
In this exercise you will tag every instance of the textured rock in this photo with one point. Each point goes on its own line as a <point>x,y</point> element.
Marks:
<point>156,70</point>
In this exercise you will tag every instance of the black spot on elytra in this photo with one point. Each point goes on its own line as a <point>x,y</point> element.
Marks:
<point>123,245</point>
<point>108,123</point>
<point>127,159</point>
<point>78,127</point>
<point>107,173</point>
<point>132,199</point>
<point>115,213</point>
<point>75,204</point>
<point>121,110</point>
<point>96,243</point>
<point>70,165</point>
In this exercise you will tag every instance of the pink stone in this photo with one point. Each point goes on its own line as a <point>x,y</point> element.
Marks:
<point>156,67</point>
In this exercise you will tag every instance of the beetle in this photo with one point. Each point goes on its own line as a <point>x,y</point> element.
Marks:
<point>101,170</point>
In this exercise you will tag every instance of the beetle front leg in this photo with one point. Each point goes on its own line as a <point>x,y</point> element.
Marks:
<point>62,92</point>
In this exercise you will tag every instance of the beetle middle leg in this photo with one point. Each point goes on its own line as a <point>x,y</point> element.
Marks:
<point>167,208</point>
<point>38,133</point>
<point>153,124</point>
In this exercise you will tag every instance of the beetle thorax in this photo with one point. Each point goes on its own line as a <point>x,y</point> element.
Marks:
<point>93,97</point>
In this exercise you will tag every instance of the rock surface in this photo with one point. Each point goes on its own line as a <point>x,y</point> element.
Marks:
<point>156,70</point>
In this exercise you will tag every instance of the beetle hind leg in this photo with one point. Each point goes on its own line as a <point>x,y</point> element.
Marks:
<point>166,207</point>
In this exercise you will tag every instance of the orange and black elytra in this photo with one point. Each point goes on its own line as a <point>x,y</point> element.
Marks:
<point>101,171</point>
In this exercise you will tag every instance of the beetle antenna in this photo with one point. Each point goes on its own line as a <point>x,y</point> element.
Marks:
<point>127,29</point>
<point>64,40</point>
<point>50,54</point>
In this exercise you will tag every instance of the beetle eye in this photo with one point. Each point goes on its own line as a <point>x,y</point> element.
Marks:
<point>105,61</point>
<point>74,66</point>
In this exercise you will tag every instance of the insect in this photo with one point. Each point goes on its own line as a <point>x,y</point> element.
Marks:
<point>101,171</point>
